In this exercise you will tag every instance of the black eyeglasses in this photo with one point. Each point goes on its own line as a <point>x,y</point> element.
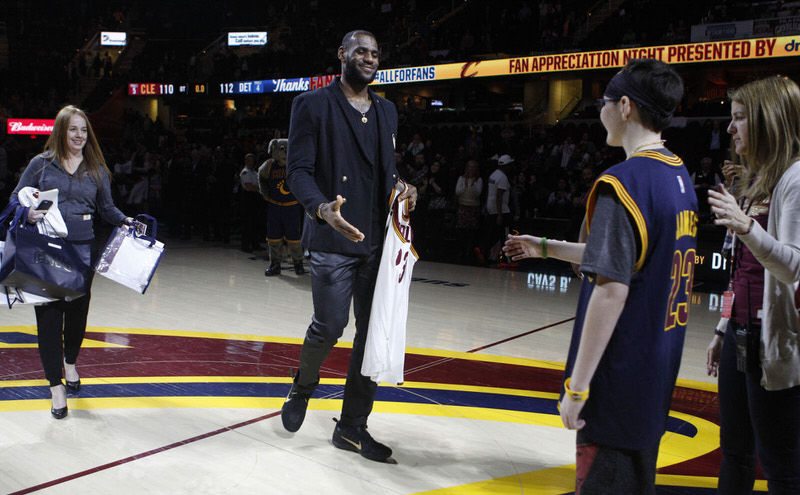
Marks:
<point>602,101</point>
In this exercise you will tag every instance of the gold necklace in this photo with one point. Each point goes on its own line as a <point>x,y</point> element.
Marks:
<point>660,141</point>
<point>355,104</point>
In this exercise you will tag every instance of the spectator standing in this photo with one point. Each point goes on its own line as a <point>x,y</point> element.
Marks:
<point>631,321</point>
<point>468,211</point>
<point>758,356</point>
<point>497,208</point>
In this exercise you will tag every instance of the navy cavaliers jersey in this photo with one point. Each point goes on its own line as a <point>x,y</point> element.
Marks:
<point>274,177</point>
<point>631,390</point>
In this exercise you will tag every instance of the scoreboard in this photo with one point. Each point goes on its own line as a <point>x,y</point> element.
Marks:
<point>265,86</point>
<point>166,89</point>
<point>241,87</point>
<point>260,86</point>
<point>150,89</point>
<point>717,51</point>
<point>195,89</point>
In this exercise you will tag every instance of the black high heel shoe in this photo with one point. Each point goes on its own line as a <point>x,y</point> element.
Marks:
<point>72,387</point>
<point>58,391</point>
<point>60,413</point>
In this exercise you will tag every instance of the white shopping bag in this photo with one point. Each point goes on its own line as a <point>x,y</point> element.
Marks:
<point>130,258</point>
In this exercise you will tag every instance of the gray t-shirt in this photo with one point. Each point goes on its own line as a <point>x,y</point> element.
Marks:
<point>611,245</point>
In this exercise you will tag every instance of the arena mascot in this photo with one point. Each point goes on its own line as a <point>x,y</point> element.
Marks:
<point>284,213</point>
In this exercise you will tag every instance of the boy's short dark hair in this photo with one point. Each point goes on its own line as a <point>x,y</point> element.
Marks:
<point>662,84</point>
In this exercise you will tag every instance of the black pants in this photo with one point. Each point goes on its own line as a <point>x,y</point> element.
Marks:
<point>756,423</point>
<point>335,280</point>
<point>61,325</point>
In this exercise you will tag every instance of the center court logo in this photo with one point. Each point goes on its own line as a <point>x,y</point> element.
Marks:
<point>168,369</point>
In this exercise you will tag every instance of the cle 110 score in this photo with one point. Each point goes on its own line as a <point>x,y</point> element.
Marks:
<point>150,89</point>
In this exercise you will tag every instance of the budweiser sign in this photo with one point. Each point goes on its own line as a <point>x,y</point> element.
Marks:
<point>30,126</point>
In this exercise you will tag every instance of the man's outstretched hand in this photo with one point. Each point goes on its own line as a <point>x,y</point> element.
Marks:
<point>331,213</point>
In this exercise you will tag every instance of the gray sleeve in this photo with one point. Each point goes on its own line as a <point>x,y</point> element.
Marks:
<point>779,252</point>
<point>105,203</point>
<point>611,245</point>
<point>30,176</point>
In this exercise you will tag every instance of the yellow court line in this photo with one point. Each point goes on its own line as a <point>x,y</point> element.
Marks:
<point>87,344</point>
<point>704,386</point>
<point>707,431</point>
<point>263,379</point>
<point>30,329</point>
<point>560,480</point>
<point>196,334</point>
<point>551,481</point>
<point>158,379</point>
<point>705,441</point>
<point>698,481</point>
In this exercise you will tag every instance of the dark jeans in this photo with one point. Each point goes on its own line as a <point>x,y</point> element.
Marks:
<point>335,280</point>
<point>755,421</point>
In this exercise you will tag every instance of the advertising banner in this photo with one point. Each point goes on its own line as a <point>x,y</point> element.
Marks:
<point>254,38</point>
<point>113,38</point>
<point>30,126</point>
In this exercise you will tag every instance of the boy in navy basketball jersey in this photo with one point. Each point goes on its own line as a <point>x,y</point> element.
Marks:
<point>638,263</point>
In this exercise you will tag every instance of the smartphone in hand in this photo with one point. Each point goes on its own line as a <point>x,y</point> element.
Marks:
<point>44,205</point>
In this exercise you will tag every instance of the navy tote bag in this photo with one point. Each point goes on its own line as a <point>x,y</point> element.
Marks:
<point>39,264</point>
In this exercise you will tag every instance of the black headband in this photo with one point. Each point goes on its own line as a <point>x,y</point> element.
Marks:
<point>623,84</point>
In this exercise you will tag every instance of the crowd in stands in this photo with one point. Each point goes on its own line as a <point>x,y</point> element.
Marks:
<point>190,180</point>
<point>171,170</point>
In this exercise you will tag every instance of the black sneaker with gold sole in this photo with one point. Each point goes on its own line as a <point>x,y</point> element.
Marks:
<point>357,439</point>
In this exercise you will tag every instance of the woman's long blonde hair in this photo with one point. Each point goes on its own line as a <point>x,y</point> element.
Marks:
<point>58,148</point>
<point>773,132</point>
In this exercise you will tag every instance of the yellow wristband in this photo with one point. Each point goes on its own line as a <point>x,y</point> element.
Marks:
<point>318,210</point>
<point>576,396</point>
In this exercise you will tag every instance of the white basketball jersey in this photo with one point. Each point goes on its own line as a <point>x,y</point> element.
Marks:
<point>384,355</point>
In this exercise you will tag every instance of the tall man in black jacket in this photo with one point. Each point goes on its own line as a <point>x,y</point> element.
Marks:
<point>341,148</point>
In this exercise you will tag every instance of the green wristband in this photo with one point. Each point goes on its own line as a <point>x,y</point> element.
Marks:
<point>544,248</point>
